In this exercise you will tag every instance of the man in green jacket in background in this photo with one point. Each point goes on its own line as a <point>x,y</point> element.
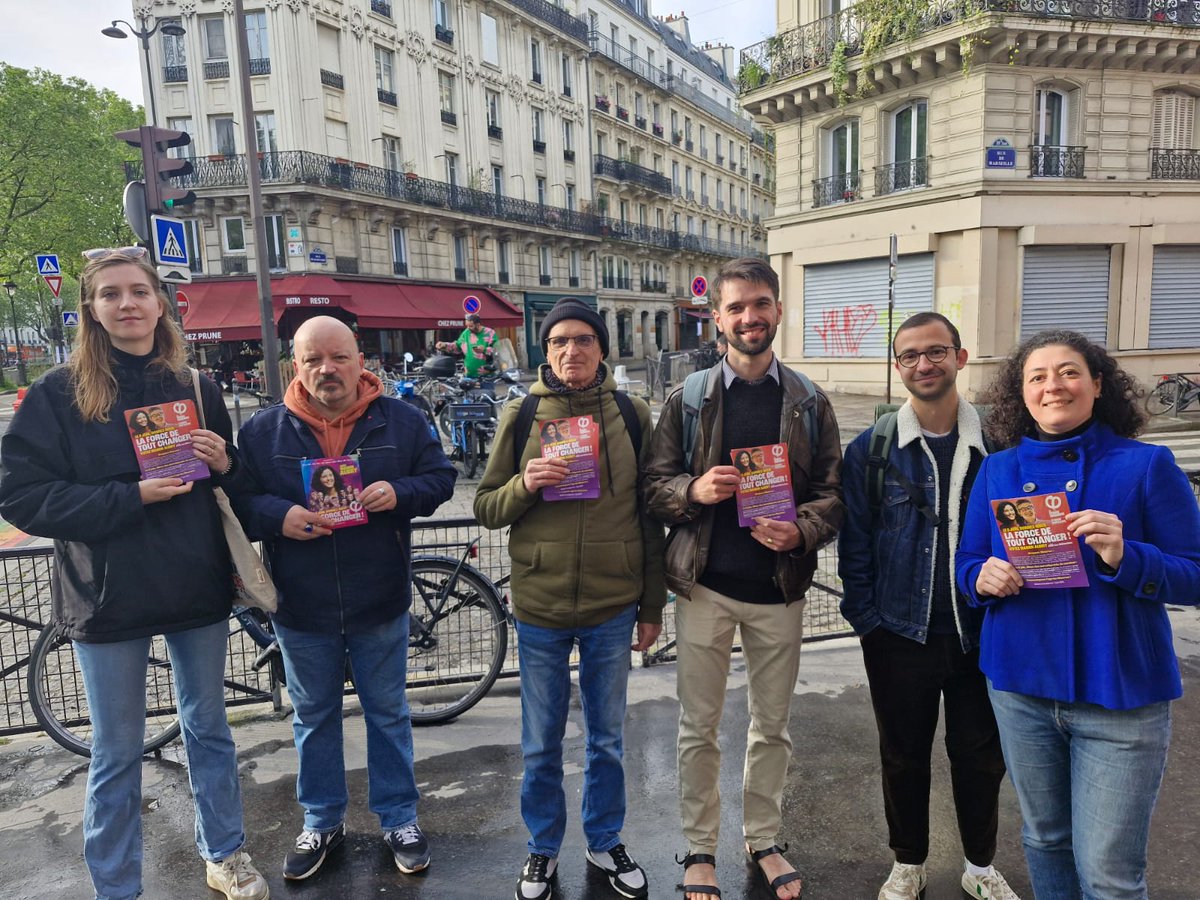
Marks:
<point>585,572</point>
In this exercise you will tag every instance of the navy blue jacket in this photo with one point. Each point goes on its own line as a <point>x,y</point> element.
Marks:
<point>1109,643</point>
<point>358,577</point>
<point>886,561</point>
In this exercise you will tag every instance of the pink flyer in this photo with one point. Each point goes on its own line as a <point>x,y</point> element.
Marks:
<point>764,485</point>
<point>162,439</point>
<point>1038,544</point>
<point>576,440</point>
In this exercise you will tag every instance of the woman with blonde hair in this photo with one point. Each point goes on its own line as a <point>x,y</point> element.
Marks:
<point>68,471</point>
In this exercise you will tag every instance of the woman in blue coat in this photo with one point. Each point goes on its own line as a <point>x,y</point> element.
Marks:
<point>1081,679</point>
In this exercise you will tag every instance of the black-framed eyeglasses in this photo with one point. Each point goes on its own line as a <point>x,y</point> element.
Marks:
<point>935,354</point>
<point>582,341</point>
<point>104,252</point>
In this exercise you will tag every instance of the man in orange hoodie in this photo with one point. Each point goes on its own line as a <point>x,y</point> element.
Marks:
<point>344,592</point>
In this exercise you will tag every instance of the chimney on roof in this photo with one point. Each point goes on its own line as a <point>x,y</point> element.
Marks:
<point>679,24</point>
<point>722,54</point>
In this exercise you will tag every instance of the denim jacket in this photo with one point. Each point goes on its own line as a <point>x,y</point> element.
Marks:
<point>887,561</point>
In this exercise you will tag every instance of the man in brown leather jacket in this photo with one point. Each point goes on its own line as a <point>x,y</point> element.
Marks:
<point>752,578</point>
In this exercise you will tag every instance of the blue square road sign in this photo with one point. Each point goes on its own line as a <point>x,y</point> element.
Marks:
<point>170,245</point>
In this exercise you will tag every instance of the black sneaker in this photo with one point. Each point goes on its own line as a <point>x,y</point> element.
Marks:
<point>625,876</point>
<point>536,877</point>
<point>409,848</point>
<point>310,851</point>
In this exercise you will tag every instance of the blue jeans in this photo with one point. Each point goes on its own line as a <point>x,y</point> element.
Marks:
<point>545,698</point>
<point>1087,778</point>
<point>315,663</point>
<point>114,678</point>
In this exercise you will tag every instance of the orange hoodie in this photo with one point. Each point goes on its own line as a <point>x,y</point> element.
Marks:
<point>333,434</point>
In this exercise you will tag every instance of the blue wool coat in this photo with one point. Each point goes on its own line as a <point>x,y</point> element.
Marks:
<point>1109,643</point>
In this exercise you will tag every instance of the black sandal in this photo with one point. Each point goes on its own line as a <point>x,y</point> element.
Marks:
<point>692,859</point>
<point>780,880</point>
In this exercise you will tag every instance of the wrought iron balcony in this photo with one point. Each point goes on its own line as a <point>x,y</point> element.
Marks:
<point>536,77</point>
<point>566,91</point>
<point>332,79</point>
<point>569,156</point>
<point>720,160</point>
<point>556,17</point>
<point>382,7</point>
<point>539,146</point>
<point>704,199</point>
<point>623,170</point>
<point>260,66</point>
<point>387,97</point>
<point>677,138</point>
<point>174,74</point>
<point>502,276</point>
<point>573,281</point>
<point>756,179</point>
<point>234,265</point>
<point>653,287</point>
<point>704,153</point>
<point>842,188</point>
<point>902,176</point>
<point>399,268</point>
<point>1175,164</point>
<point>543,280</point>
<point>657,128</point>
<point>622,114</point>
<point>689,145</point>
<point>346,265</point>
<point>449,118</point>
<point>495,132</point>
<point>1046,161</point>
<point>443,34</point>
<point>603,103</point>
<point>216,69</point>
<point>460,274</point>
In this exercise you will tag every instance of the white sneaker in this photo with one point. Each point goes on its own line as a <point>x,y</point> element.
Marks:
<point>906,882</point>
<point>236,878</point>
<point>626,877</point>
<point>991,886</point>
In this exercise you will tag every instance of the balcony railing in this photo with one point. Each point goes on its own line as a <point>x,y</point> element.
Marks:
<point>640,122</point>
<point>603,103</point>
<point>1176,165</point>
<point>902,176</point>
<point>566,91</point>
<point>260,66</point>
<point>460,273</point>
<point>623,170</point>
<point>387,97</point>
<point>704,153</point>
<point>543,280</point>
<point>346,265</point>
<point>657,128</point>
<point>299,167</point>
<point>704,199</point>
<point>842,188</point>
<point>809,47</point>
<point>216,69</point>
<point>174,74</point>
<point>653,287</point>
<point>502,277</point>
<point>449,118</point>
<point>720,160</point>
<point>572,281</point>
<point>569,156</point>
<point>234,265</point>
<point>689,145</point>
<point>539,146</point>
<point>381,7</point>
<point>332,79</point>
<point>495,132</point>
<point>1046,161</point>
<point>443,34</point>
<point>622,114</point>
<point>555,16</point>
<point>399,268</point>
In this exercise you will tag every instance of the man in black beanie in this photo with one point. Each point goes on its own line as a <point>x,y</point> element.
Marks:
<point>586,573</point>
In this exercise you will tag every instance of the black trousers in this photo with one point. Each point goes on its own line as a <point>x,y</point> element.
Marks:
<point>908,680</point>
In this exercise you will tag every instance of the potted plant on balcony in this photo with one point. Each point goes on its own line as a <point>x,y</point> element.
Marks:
<point>602,102</point>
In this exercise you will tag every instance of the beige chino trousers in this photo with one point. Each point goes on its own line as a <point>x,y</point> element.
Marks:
<point>771,636</point>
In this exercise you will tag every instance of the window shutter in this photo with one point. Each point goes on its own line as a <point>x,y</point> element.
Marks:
<point>1174,121</point>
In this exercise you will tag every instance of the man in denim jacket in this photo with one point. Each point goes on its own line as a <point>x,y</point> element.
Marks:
<point>920,640</point>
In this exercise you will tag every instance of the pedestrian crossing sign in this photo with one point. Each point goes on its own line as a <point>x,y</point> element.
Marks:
<point>70,318</point>
<point>170,245</point>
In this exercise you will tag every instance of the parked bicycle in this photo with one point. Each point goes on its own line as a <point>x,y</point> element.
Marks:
<point>458,640</point>
<point>1172,393</point>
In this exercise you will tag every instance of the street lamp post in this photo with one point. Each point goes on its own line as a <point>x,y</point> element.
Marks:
<point>173,29</point>
<point>12,302</point>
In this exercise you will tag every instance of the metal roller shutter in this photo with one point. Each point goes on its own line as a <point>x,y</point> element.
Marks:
<point>1175,298</point>
<point>845,304</point>
<point>1065,287</point>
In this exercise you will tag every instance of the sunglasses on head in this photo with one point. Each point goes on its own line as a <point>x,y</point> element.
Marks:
<point>105,252</point>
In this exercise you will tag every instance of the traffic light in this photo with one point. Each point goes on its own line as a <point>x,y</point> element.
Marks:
<point>162,197</point>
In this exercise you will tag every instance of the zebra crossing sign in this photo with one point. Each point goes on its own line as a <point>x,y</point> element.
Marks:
<point>170,245</point>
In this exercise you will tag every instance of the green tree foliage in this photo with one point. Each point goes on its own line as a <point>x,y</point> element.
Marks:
<point>61,179</point>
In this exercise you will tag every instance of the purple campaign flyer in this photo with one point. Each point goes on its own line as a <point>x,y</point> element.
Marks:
<point>576,440</point>
<point>162,439</point>
<point>764,484</point>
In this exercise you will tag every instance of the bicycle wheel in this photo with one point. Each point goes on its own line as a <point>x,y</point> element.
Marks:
<point>458,638</point>
<point>1162,397</point>
<point>471,450</point>
<point>55,687</point>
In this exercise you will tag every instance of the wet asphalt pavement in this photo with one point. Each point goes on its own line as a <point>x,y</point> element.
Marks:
<point>469,773</point>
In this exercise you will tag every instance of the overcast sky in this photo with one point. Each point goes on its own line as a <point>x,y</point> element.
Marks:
<point>64,35</point>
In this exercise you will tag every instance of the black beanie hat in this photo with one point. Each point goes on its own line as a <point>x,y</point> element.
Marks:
<point>574,308</point>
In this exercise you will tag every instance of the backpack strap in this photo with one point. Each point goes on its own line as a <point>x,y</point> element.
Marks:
<point>527,414</point>
<point>811,424</point>
<point>883,436</point>
<point>695,389</point>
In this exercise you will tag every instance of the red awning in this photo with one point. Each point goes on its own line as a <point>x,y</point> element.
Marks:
<point>227,310</point>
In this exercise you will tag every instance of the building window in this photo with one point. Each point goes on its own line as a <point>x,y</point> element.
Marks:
<point>568,135</point>
<point>1051,155</point>
<point>460,257</point>
<point>233,238</point>
<point>391,153</point>
<point>276,248</point>
<point>490,45</point>
<point>223,135</point>
<point>570,196</point>
<point>535,60</point>
<point>503,269</point>
<point>452,169</point>
<point>544,264</point>
<point>539,135</point>
<point>1173,137</point>
<point>385,64</point>
<point>212,39</point>
<point>841,181</point>
<point>573,268</point>
<point>567,76</point>
<point>907,165</point>
<point>256,36</point>
<point>493,114</point>
<point>441,13</point>
<point>498,180</point>
<point>446,97</point>
<point>541,190</point>
<point>195,246</point>
<point>399,252</point>
<point>174,49</point>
